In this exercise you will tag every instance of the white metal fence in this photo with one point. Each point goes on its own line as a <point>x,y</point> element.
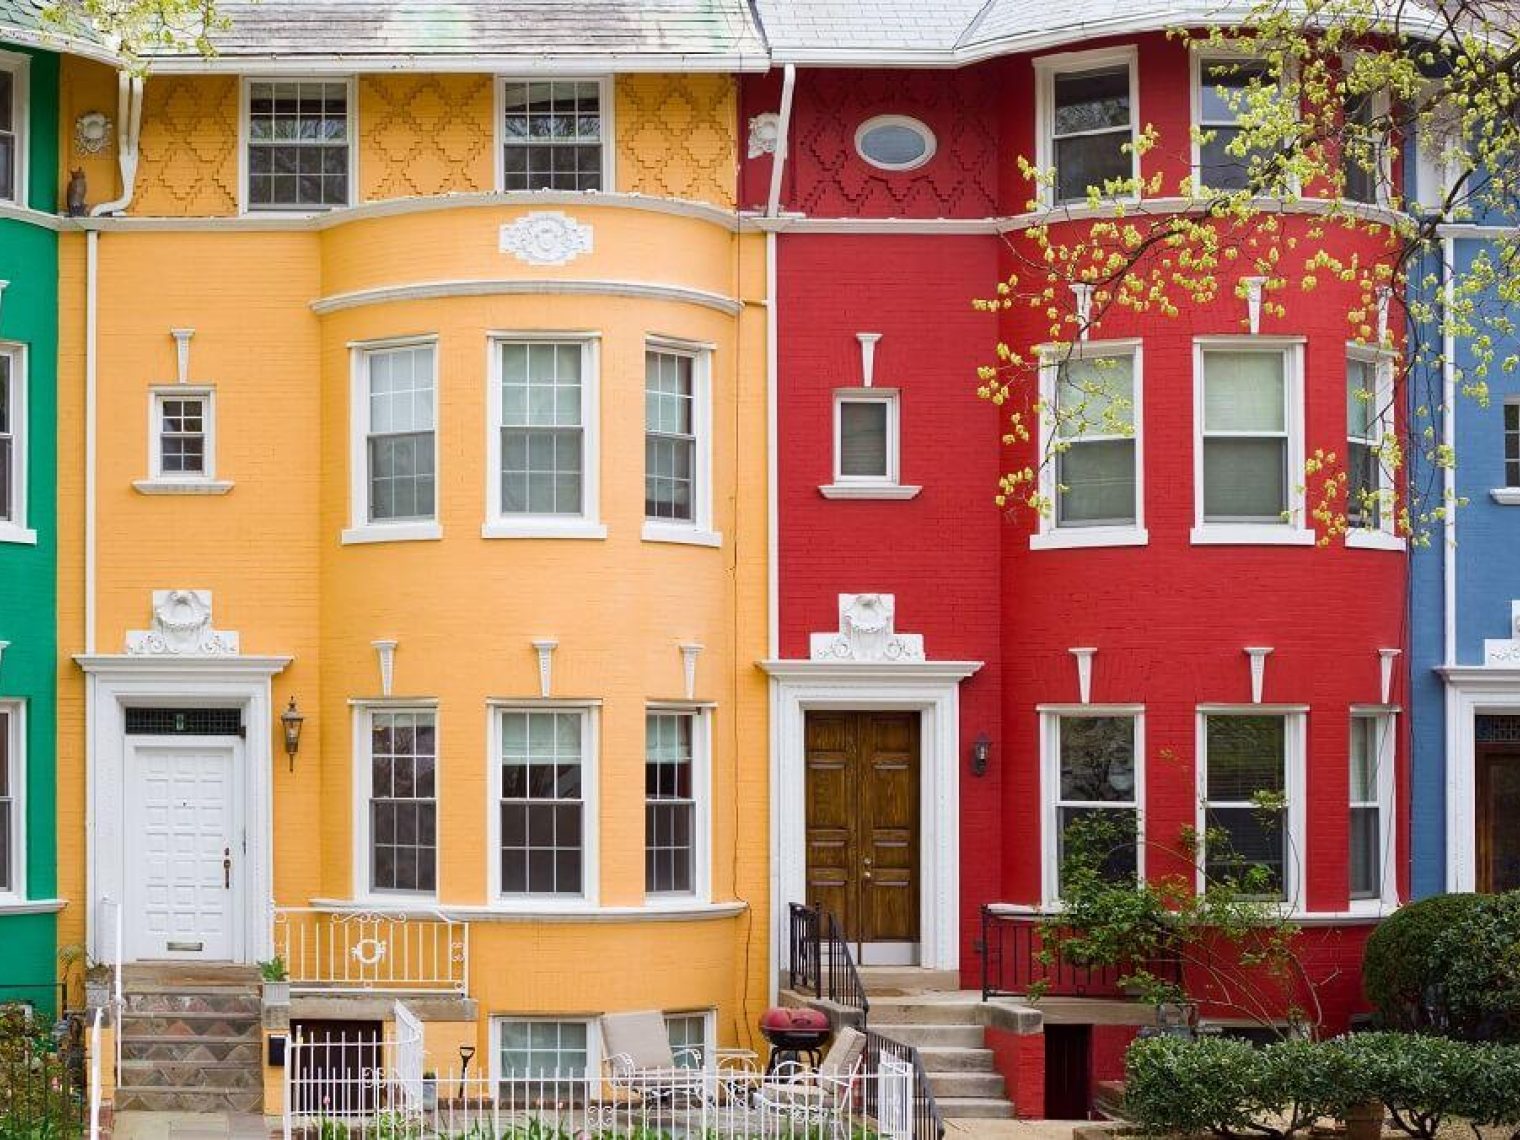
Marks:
<point>384,953</point>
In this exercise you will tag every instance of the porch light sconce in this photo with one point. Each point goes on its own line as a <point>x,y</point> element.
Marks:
<point>981,751</point>
<point>1084,656</point>
<point>291,720</point>
<point>545,650</point>
<point>690,651</point>
<point>386,648</point>
<point>182,352</point>
<point>867,357</point>
<point>1258,655</point>
<point>1385,663</point>
<point>1254,287</point>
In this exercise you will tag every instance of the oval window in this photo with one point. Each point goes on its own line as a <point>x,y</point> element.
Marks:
<point>894,142</point>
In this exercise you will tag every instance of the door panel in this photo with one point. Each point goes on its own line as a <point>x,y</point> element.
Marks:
<point>863,821</point>
<point>1498,818</point>
<point>180,812</point>
<point>1068,1072</point>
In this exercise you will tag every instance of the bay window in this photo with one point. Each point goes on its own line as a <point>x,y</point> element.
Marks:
<point>554,134</point>
<point>1224,87</point>
<point>299,144</point>
<point>1091,441</point>
<point>394,459</point>
<point>678,443</point>
<point>13,101</point>
<point>401,773</point>
<point>1089,124</point>
<point>544,817</point>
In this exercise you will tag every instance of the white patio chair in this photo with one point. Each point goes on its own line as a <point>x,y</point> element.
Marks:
<point>640,1061</point>
<point>822,1097</point>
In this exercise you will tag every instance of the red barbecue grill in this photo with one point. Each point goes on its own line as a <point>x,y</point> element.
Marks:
<point>792,1033</point>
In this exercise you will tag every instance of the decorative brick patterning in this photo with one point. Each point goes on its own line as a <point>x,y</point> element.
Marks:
<point>425,134</point>
<point>189,147</point>
<point>677,136</point>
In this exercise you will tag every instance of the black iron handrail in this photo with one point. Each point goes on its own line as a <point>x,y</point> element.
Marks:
<point>928,1124</point>
<point>1014,961</point>
<point>820,962</point>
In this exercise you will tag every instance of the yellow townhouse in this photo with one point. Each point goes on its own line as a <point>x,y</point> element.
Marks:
<point>413,539</point>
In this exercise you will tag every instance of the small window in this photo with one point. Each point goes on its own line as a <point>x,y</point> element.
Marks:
<point>299,147</point>
<point>12,127</point>
<point>1365,150</point>
<point>403,806</point>
<point>670,439</point>
<point>1223,86</point>
<point>1245,765</point>
<point>688,1038</point>
<point>1369,488</point>
<point>866,437</point>
<point>552,135</point>
<point>1096,789</point>
<point>183,435</point>
<point>533,1054</point>
<point>11,428</point>
<point>12,817</point>
<point>543,781</point>
<point>396,417</point>
<point>1246,423</point>
<point>894,142</point>
<point>1371,803</point>
<point>670,803</point>
<point>1096,451</point>
<point>1512,444</point>
<point>1091,129</point>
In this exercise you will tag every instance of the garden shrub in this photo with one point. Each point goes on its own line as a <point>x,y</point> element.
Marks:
<point>1173,1085</point>
<point>1401,970</point>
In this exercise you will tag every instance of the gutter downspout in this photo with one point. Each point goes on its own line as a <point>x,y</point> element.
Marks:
<point>1449,442</point>
<point>772,370</point>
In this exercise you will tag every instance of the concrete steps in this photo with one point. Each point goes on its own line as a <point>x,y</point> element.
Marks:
<point>944,1024</point>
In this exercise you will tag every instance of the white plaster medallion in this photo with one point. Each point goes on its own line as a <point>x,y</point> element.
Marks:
<point>546,237</point>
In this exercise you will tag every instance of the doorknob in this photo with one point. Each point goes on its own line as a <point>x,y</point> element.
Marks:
<point>227,868</point>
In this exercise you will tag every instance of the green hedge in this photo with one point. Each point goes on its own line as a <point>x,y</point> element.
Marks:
<point>1228,1088</point>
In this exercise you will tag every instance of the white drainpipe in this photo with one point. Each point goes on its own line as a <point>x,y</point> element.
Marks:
<point>783,129</point>
<point>1449,439</point>
<point>772,370</point>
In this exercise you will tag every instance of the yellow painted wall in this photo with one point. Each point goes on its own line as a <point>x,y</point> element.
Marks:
<point>678,136</point>
<point>85,86</point>
<point>189,162</point>
<point>425,134</point>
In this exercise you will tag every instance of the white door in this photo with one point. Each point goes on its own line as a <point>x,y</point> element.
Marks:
<point>183,850</point>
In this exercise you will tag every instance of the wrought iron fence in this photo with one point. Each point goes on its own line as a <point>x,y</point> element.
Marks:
<point>883,1052</point>
<point>820,962</point>
<point>383,953</point>
<point>1018,956</point>
<point>43,1093</point>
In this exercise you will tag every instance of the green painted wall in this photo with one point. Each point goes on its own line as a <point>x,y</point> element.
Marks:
<point>28,574</point>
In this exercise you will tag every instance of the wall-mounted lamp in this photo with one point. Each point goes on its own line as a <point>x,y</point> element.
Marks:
<point>981,749</point>
<point>291,721</point>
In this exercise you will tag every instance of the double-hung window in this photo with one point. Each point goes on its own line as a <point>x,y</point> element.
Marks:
<point>545,818</point>
<point>1249,408</point>
<point>1094,773</point>
<point>1512,444</point>
<point>1090,441</point>
<point>554,134</point>
<point>1249,771</point>
<point>13,446</point>
<point>299,143</point>
<point>182,442</point>
<point>13,91</point>
<point>1371,823</point>
<point>1369,482</point>
<point>867,446</point>
<point>678,443</point>
<point>12,818</point>
<point>1365,153</point>
<point>1089,130</point>
<point>395,464</point>
<point>402,760</point>
<point>533,1055</point>
<point>1226,86</point>
<point>674,802</point>
<point>543,444</point>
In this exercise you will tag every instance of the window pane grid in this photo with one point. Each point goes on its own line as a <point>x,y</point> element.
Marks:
<point>670,442</point>
<point>182,436</point>
<point>1246,758</point>
<point>1512,445</point>
<point>1222,97</point>
<point>403,810</point>
<point>543,430</point>
<point>1090,128</point>
<point>670,806</point>
<point>1245,436</point>
<point>552,135</point>
<point>298,145</point>
<point>400,445</point>
<point>1366,807</point>
<point>8,148</point>
<point>535,1050</point>
<point>688,1038</point>
<point>1363,439</point>
<point>7,806</point>
<point>8,474</point>
<point>542,803</point>
<point>1096,465</point>
<point>1096,782</point>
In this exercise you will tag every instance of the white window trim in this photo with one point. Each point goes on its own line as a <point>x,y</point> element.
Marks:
<point>591,774</point>
<point>20,68</point>
<point>593,1041</point>
<point>588,524</point>
<point>888,486</point>
<point>361,529</point>
<point>1046,68</point>
<point>17,752</point>
<point>607,100</point>
<point>244,206</point>
<point>363,719</point>
<point>701,790</point>
<point>1049,535</point>
<point>699,531</point>
<point>1292,532</point>
<point>709,1017</point>
<point>203,483</point>
<point>1504,495</point>
<point>1199,56</point>
<point>1050,788</point>
<point>1387,800</point>
<point>907,122</point>
<point>1295,744</point>
<point>1381,109</point>
<point>1384,536</point>
<point>15,529</point>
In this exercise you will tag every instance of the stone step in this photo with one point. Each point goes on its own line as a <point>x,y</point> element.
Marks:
<point>974,1107</point>
<point>959,1085</point>
<point>230,1000</point>
<point>207,1075</point>
<point>916,1010</point>
<point>130,1098</point>
<point>189,1025</point>
<point>927,1036</point>
<point>956,1059</point>
<point>201,1048</point>
<point>887,980</point>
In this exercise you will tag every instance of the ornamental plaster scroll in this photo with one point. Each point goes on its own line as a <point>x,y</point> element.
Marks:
<point>546,237</point>
<point>1505,652</point>
<point>764,130</point>
<point>867,632</point>
<point>182,628</point>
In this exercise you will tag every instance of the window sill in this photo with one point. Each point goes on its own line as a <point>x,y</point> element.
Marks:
<point>1506,496</point>
<point>392,532</point>
<point>10,532</point>
<point>1250,534</point>
<point>182,486</point>
<point>869,491</point>
<point>1075,537</point>
<point>544,528</point>
<point>1373,540</point>
<point>10,904</point>
<point>684,535</point>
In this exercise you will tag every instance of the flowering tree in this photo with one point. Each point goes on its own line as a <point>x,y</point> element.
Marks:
<point>1296,184</point>
<point>135,27</point>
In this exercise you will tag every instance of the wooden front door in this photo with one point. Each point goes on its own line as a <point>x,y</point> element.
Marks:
<point>863,822</point>
<point>1498,817</point>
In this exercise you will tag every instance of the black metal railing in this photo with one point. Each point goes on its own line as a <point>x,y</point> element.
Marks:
<point>820,962</point>
<point>1015,960</point>
<point>928,1124</point>
<point>42,1081</point>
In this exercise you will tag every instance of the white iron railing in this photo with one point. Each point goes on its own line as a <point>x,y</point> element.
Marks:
<point>366,950</point>
<point>95,1081</point>
<point>112,941</point>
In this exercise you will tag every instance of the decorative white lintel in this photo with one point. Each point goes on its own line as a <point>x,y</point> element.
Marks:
<point>545,648</point>
<point>546,237</point>
<point>1505,651</point>
<point>690,651</point>
<point>182,352</point>
<point>867,632</point>
<point>1083,292</point>
<point>1258,655</point>
<point>1386,658</point>
<point>1084,655</point>
<point>386,648</point>
<point>1254,288</point>
<point>182,628</point>
<point>867,357</point>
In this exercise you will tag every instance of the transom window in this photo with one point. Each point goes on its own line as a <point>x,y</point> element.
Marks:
<point>1223,87</point>
<point>10,131</point>
<point>670,440</point>
<point>1371,802</point>
<point>10,430</point>
<point>1245,435</point>
<point>399,433</point>
<point>543,428</point>
<point>1091,129</point>
<point>1246,838</point>
<point>670,803</point>
<point>11,817</point>
<point>1096,793</point>
<point>543,815</point>
<point>1512,445</point>
<point>1096,450</point>
<point>298,144</point>
<point>552,134</point>
<point>403,760</point>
